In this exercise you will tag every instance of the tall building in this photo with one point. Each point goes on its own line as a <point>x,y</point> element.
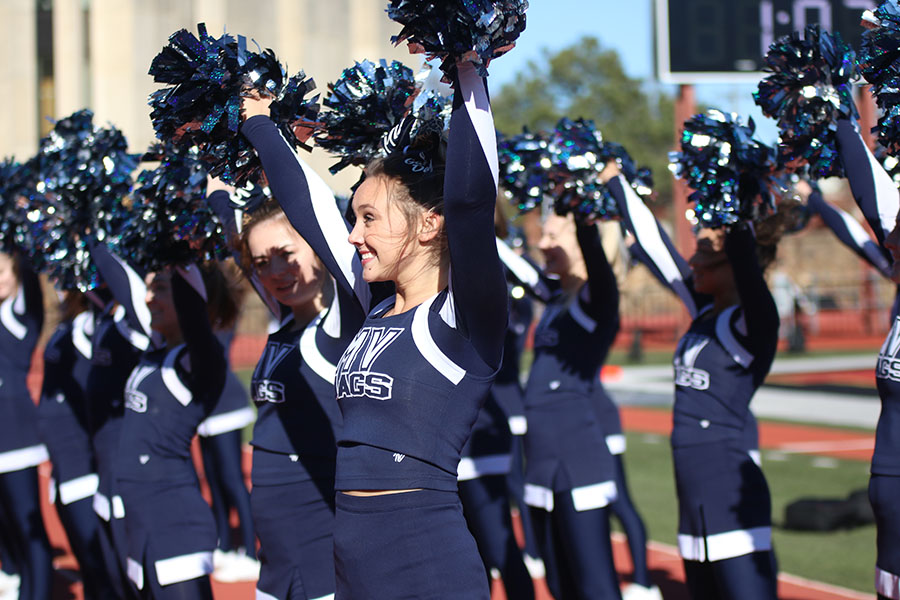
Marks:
<point>64,55</point>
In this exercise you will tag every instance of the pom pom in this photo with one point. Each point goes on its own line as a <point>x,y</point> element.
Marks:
<point>525,163</point>
<point>366,104</point>
<point>808,90</point>
<point>201,106</point>
<point>879,63</point>
<point>576,149</point>
<point>168,221</point>
<point>726,167</point>
<point>80,175</point>
<point>460,30</point>
<point>12,216</point>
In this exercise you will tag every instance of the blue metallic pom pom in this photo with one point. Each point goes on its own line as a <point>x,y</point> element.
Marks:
<point>456,30</point>
<point>77,181</point>
<point>365,104</point>
<point>13,190</point>
<point>879,63</point>
<point>577,156</point>
<point>525,163</point>
<point>168,221</point>
<point>726,167</point>
<point>809,89</point>
<point>201,106</point>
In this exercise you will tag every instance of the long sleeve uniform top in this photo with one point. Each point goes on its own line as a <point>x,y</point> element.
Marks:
<point>723,358</point>
<point>410,385</point>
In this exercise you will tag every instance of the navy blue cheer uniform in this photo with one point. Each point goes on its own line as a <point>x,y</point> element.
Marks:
<point>220,446</point>
<point>723,497</point>
<point>169,527</point>
<point>410,385</point>
<point>63,426</point>
<point>299,421</point>
<point>21,449</point>
<point>570,476</point>
<point>877,196</point>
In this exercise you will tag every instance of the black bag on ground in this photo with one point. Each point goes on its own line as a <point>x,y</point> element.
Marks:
<point>829,514</point>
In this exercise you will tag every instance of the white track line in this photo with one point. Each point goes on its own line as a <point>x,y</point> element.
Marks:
<point>828,446</point>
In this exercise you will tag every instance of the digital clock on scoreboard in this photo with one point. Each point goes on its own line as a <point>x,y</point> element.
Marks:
<point>725,40</point>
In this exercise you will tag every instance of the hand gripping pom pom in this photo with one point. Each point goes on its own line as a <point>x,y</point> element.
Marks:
<point>576,149</point>
<point>80,175</point>
<point>367,104</point>
<point>808,91</point>
<point>640,178</point>
<point>169,221</point>
<point>524,169</point>
<point>201,106</point>
<point>460,30</point>
<point>879,63</point>
<point>728,170</point>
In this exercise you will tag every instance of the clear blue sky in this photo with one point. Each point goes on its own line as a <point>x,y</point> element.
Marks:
<point>626,26</point>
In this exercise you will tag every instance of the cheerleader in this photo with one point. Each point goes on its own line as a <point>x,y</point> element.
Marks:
<point>298,420</point>
<point>725,531</point>
<point>568,494</point>
<point>21,450</point>
<point>169,527</point>
<point>877,196</point>
<point>63,426</point>
<point>413,379</point>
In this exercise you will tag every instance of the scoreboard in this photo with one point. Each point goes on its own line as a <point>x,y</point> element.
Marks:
<point>701,41</point>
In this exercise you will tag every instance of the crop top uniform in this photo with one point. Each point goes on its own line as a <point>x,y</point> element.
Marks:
<point>410,385</point>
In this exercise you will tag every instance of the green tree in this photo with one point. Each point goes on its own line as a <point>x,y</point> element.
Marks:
<point>587,80</point>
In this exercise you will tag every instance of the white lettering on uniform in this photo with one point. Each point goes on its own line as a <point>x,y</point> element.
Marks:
<point>354,375</point>
<point>686,375</point>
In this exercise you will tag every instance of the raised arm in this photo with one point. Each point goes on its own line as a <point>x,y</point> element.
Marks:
<point>668,265</point>
<point>309,205</point>
<point>208,364</point>
<point>126,285</point>
<point>219,201</point>
<point>602,301</point>
<point>760,336</point>
<point>850,233</point>
<point>873,189</point>
<point>470,193</point>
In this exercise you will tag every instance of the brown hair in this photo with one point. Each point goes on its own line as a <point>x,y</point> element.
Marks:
<point>772,228</point>
<point>413,191</point>
<point>270,209</point>
<point>222,298</point>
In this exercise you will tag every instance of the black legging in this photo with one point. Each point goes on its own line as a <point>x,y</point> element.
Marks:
<point>222,460</point>
<point>577,551</point>
<point>624,510</point>
<point>486,508</point>
<point>20,511</point>
<point>82,527</point>
<point>748,577</point>
<point>515,483</point>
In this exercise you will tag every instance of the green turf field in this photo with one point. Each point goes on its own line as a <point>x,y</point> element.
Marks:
<point>844,558</point>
